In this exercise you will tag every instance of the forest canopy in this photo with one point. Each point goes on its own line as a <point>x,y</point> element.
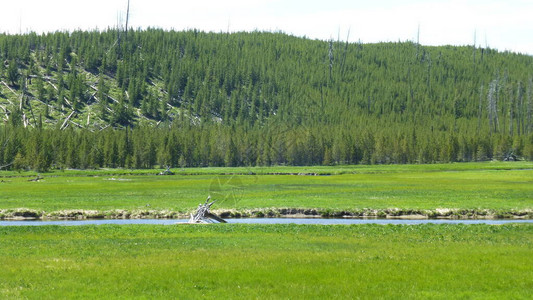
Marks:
<point>90,99</point>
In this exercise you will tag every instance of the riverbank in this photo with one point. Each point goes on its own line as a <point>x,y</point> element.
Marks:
<point>394,213</point>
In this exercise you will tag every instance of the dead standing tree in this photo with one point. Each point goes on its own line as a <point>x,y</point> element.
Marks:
<point>492,98</point>
<point>529,112</point>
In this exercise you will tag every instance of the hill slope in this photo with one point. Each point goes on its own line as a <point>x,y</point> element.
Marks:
<point>308,101</point>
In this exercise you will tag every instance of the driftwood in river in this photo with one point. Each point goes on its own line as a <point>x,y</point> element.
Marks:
<point>204,215</point>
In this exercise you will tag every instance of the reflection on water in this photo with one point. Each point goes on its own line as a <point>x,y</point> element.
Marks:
<point>314,221</point>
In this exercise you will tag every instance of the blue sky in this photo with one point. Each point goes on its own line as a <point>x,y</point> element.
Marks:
<point>502,24</point>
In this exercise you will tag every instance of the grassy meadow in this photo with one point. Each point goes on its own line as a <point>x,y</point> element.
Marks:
<point>494,185</point>
<point>267,262</point>
<point>239,261</point>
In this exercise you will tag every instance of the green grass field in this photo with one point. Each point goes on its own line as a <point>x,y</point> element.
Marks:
<point>267,262</point>
<point>497,186</point>
<point>233,261</point>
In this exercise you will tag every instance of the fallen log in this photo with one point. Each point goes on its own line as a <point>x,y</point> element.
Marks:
<point>36,179</point>
<point>96,89</point>
<point>77,124</point>
<point>6,111</point>
<point>45,78</point>
<point>39,100</point>
<point>5,166</point>
<point>9,88</point>
<point>53,85</point>
<point>66,120</point>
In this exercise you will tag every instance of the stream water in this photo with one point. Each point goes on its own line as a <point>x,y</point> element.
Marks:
<point>314,221</point>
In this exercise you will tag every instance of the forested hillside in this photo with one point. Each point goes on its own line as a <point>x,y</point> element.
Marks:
<point>154,98</point>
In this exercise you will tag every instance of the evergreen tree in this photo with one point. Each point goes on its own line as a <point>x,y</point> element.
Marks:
<point>12,72</point>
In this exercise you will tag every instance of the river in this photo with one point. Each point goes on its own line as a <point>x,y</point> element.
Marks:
<point>313,221</point>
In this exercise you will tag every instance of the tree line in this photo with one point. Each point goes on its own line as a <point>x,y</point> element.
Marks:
<point>217,145</point>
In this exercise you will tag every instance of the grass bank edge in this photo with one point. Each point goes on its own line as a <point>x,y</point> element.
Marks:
<point>438,213</point>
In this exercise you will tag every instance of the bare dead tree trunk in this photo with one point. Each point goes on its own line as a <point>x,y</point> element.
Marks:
<point>418,42</point>
<point>127,20</point>
<point>529,124</point>
<point>492,105</point>
<point>519,105</point>
<point>22,93</point>
<point>480,111</point>
<point>343,62</point>
<point>474,51</point>
<point>32,115</point>
<point>429,73</point>
<point>411,92</point>
<point>511,111</point>
<point>330,56</point>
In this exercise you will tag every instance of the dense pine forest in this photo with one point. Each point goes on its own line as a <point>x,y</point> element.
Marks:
<point>147,98</point>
